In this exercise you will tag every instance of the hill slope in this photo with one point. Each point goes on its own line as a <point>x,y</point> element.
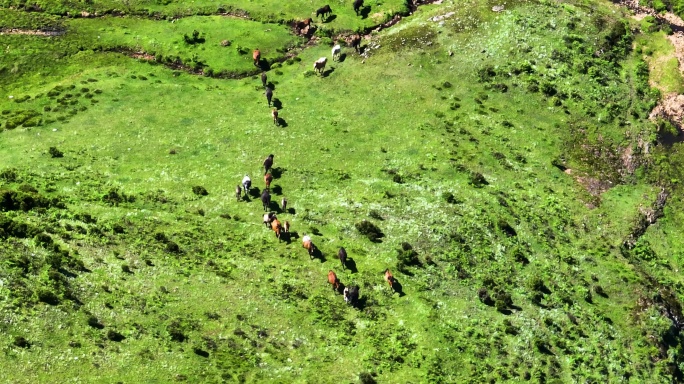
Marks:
<point>524,202</point>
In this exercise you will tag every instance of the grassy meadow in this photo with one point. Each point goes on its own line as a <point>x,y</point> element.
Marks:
<point>505,159</point>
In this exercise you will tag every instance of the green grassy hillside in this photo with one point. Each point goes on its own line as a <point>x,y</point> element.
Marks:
<point>519,194</point>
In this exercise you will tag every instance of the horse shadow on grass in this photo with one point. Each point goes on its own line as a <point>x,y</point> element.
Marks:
<point>282,123</point>
<point>342,57</point>
<point>326,73</point>
<point>317,254</point>
<point>330,18</point>
<point>277,190</point>
<point>263,65</point>
<point>254,192</point>
<point>398,288</point>
<point>361,303</point>
<point>350,264</point>
<point>365,11</point>
<point>271,85</point>
<point>273,206</point>
<point>277,172</point>
<point>340,288</point>
<point>277,104</point>
<point>245,197</point>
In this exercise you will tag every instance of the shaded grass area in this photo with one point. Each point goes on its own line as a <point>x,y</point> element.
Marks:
<point>507,272</point>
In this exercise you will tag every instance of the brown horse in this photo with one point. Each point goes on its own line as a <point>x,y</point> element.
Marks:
<point>277,228</point>
<point>283,204</point>
<point>308,245</point>
<point>389,278</point>
<point>286,227</point>
<point>302,27</point>
<point>332,279</point>
<point>274,114</point>
<point>238,192</point>
<point>319,65</point>
<point>267,179</point>
<point>256,56</point>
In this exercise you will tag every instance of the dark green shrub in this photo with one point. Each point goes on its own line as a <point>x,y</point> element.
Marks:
<point>483,295</point>
<point>366,378</point>
<point>477,180</point>
<point>172,247</point>
<point>115,336</point>
<point>486,74</point>
<point>54,152</point>
<point>506,228</point>
<point>199,190</point>
<point>407,257</point>
<point>94,322</point>
<point>176,331</point>
<point>43,239</point>
<point>21,342</point>
<point>369,230</point>
<point>48,297</point>
<point>9,174</point>
<point>449,198</point>
<point>502,301</point>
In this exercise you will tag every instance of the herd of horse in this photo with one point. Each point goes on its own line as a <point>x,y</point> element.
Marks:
<point>282,229</point>
<point>270,220</point>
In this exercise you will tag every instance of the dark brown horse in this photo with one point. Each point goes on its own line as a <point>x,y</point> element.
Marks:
<point>358,4</point>
<point>238,192</point>
<point>324,11</point>
<point>264,78</point>
<point>355,42</point>
<point>342,254</point>
<point>268,163</point>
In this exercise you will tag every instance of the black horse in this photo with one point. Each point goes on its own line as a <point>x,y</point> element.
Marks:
<point>264,78</point>
<point>351,295</point>
<point>342,254</point>
<point>266,199</point>
<point>358,4</point>
<point>268,163</point>
<point>269,95</point>
<point>324,11</point>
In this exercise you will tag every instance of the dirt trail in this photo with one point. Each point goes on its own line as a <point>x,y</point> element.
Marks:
<point>32,32</point>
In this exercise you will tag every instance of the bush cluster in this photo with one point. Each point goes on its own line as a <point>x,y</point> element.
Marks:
<point>369,230</point>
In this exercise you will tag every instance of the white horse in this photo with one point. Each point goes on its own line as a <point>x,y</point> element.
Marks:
<point>336,51</point>
<point>319,65</point>
<point>246,184</point>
